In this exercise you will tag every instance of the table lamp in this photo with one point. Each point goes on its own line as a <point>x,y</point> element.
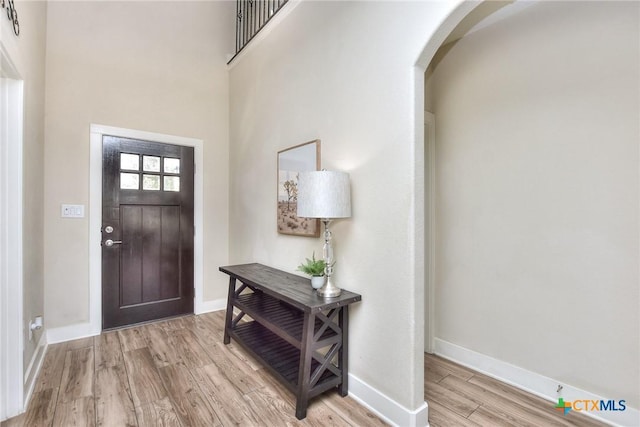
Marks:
<point>325,195</point>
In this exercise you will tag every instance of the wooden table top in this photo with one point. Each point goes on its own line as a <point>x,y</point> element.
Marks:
<point>293,289</point>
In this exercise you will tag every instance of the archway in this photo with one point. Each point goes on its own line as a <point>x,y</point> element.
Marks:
<point>539,112</point>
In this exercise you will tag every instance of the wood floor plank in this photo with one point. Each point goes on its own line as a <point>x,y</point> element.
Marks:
<point>497,407</point>
<point>108,352</point>
<point>157,414</point>
<point>187,400</point>
<point>42,408</point>
<point>132,338</point>
<point>224,398</point>
<point>320,415</point>
<point>235,370</point>
<point>440,416</point>
<point>77,375</point>
<point>350,410</point>
<point>445,366</point>
<point>216,319</point>
<point>269,415</point>
<point>434,374</point>
<point>164,351</point>
<point>114,404</point>
<point>52,367</point>
<point>205,335</point>
<point>246,358</point>
<point>144,380</point>
<point>506,391</point>
<point>450,399</point>
<point>487,417</point>
<point>192,355</point>
<point>79,412</point>
<point>205,330</point>
<point>188,322</point>
<point>79,343</point>
<point>176,323</point>
<point>268,380</point>
<point>14,422</point>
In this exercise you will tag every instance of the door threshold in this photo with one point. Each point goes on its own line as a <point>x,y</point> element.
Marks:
<point>134,325</point>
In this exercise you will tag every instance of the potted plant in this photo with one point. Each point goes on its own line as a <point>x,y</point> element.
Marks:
<point>314,268</point>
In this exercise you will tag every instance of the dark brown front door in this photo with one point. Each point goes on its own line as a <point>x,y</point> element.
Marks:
<point>147,231</point>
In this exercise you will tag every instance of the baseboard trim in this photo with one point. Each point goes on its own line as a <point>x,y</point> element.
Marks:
<point>71,332</point>
<point>385,407</point>
<point>31,374</point>
<point>83,330</point>
<point>211,305</point>
<point>532,382</point>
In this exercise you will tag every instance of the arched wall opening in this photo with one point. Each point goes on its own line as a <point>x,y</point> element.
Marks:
<point>421,270</point>
<point>572,102</point>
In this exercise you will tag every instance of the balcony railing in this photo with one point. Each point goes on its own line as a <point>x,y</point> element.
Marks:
<point>251,16</point>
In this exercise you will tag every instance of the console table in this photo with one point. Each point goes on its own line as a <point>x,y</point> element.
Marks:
<point>300,337</point>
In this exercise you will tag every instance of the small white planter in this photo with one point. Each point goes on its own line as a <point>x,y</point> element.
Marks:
<point>317,282</point>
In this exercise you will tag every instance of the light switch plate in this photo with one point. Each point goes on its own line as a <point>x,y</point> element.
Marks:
<point>72,211</point>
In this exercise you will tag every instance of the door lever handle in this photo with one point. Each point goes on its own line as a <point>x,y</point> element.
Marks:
<point>109,242</point>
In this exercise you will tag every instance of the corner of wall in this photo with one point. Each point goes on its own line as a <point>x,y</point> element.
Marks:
<point>385,407</point>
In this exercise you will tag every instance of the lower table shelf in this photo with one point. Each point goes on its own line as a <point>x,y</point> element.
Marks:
<point>279,356</point>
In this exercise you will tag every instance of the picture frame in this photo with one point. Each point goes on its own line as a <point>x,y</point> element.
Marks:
<point>291,161</point>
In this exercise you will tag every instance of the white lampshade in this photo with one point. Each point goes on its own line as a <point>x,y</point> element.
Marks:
<point>324,194</point>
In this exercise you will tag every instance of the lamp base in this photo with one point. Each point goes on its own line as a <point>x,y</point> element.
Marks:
<point>329,290</point>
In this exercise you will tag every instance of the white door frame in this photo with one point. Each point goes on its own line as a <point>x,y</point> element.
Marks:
<point>95,215</point>
<point>11,274</point>
<point>430,230</point>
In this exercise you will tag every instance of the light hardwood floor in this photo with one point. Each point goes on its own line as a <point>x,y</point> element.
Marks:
<point>170,373</point>
<point>458,396</point>
<point>178,373</point>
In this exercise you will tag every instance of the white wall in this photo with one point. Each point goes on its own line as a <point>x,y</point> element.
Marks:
<point>28,53</point>
<point>538,194</point>
<point>150,66</point>
<point>342,72</point>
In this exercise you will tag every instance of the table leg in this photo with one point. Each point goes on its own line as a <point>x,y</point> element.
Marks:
<point>343,353</point>
<point>304,372</point>
<point>229,314</point>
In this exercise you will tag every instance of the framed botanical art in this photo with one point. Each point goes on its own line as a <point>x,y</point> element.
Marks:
<point>292,161</point>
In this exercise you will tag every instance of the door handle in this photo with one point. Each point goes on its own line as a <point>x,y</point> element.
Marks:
<point>110,242</point>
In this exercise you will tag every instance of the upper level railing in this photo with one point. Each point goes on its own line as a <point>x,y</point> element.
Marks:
<point>251,16</point>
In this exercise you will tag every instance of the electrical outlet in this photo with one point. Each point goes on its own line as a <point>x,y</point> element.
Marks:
<point>34,326</point>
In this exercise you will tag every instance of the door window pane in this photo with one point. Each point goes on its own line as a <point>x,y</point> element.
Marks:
<point>150,164</point>
<point>171,183</point>
<point>129,181</point>
<point>171,165</point>
<point>129,161</point>
<point>151,182</point>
